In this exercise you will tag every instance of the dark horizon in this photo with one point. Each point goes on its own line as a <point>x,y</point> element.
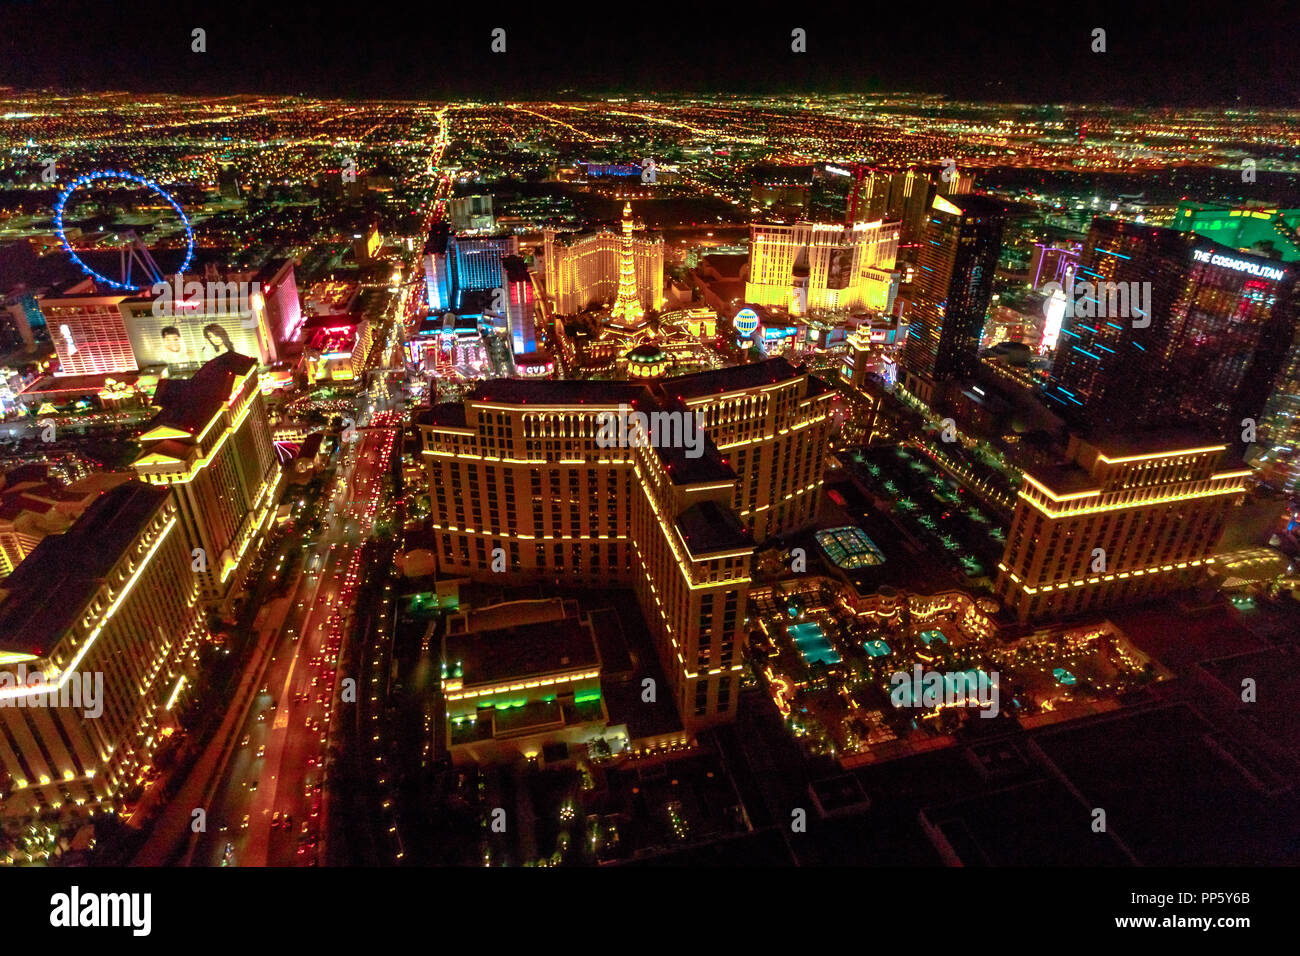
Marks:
<point>1017,52</point>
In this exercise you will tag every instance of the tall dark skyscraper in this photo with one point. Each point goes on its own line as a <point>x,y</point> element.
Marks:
<point>959,252</point>
<point>228,182</point>
<point>1199,337</point>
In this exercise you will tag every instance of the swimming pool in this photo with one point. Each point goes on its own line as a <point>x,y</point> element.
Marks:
<point>812,643</point>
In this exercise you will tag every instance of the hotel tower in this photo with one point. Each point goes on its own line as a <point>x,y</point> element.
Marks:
<point>589,268</point>
<point>109,613</point>
<point>212,442</point>
<point>526,486</point>
<point>1125,519</point>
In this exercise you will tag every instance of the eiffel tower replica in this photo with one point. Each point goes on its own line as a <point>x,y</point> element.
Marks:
<point>627,312</point>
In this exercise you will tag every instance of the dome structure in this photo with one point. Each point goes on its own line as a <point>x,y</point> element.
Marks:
<point>647,361</point>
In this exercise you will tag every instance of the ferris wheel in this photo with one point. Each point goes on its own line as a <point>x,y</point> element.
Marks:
<point>133,251</point>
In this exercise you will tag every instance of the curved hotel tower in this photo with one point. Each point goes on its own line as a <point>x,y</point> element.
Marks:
<point>526,486</point>
<point>584,269</point>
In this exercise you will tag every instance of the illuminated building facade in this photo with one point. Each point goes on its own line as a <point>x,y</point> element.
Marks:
<point>1260,230</point>
<point>455,264</point>
<point>905,197</point>
<point>1279,434</point>
<point>283,308</point>
<point>437,271</point>
<point>813,267</point>
<point>591,268</point>
<point>519,676</point>
<point>521,321</point>
<point>99,335</point>
<point>772,425</point>
<point>471,213</point>
<point>1209,352</point>
<point>524,487</point>
<point>954,279</point>
<point>110,613</point>
<point>476,262</point>
<point>212,442</point>
<point>89,334</point>
<point>857,358</point>
<point>1124,520</point>
<point>646,361</point>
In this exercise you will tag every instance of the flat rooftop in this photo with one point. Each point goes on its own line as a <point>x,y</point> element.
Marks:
<point>734,379</point>
<point>709,465</point>
<point>1063,478</point>
<point>513,391</point>
<point>1176,790</point>
<point>49,589</point>
<point>708,528</point>
<point>1011,827</point>
<point>512,613</point>
<point>1118,444</point>
<point>446,414</point>
<point>522,651</point>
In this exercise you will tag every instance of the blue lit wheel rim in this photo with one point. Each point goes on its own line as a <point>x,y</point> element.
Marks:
<point>131,177</point>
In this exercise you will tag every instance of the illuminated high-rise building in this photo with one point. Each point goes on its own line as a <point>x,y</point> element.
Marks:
<point>455,265</point>
<point>471,213</point>
<point>109,612</point>
<point>1201,342</point>
<point>476,262</point>
<point>89,334</point>
<point>905,197</point>
<point>816,267</point>
<point>278,287</point>
<point>590,268</point>
<point>519,306</point>
<point>525,485</point>
<point>954,279</point>
<point>1278,455</point>
<point>1125,519</point>
<point>212,442</point>
<point>1258,230</point>
<point>437,271</point>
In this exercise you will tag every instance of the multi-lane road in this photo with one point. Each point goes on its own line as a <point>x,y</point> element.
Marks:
<point>271,801</point>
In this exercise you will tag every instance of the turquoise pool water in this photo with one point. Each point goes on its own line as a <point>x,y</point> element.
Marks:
<point>812,643</point>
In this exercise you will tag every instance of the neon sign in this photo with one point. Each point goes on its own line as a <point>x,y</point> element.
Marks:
<point>1239,265</point>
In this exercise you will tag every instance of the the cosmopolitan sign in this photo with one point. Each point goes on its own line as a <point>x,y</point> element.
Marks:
<point>1239,265</point>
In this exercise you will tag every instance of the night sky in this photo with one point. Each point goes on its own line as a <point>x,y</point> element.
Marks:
<point>1175,53</point>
